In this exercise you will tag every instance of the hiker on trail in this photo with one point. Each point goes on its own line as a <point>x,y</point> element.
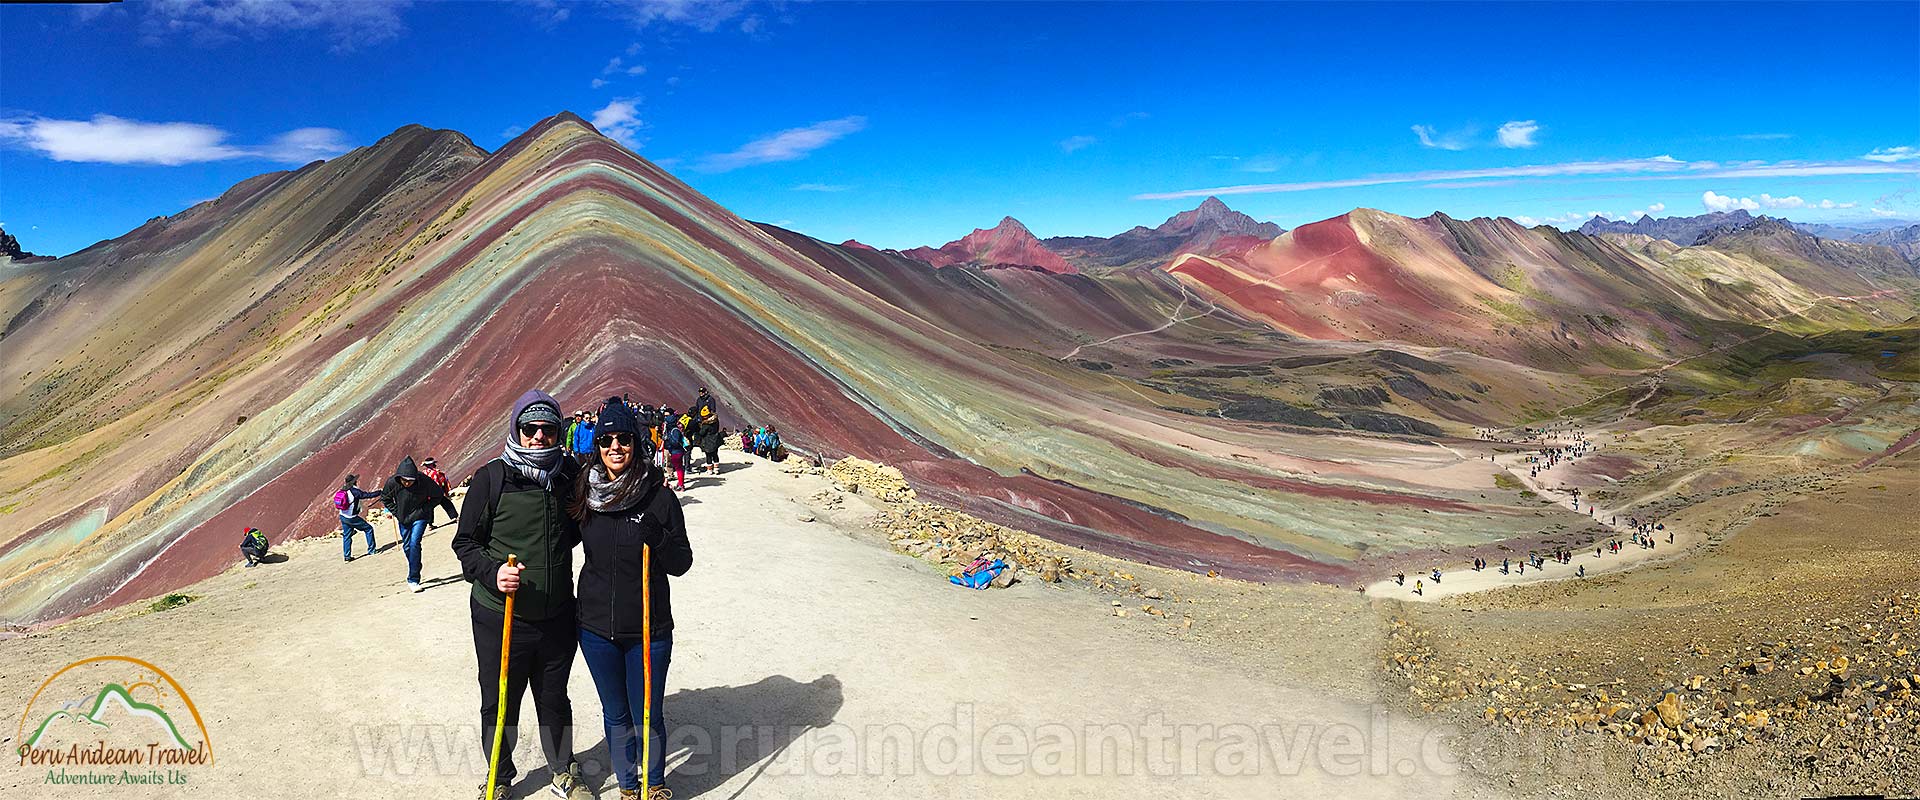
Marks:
<point>573,431</point>
<point>676,444</point>
<point>253,546</point>
<point>1581,572</point>
<point>1400,578</point>
<point>516,505</point>
<point>583,438</point>
<point>709,436</point>
<point>432,470</point>
<point>410,497</point>
<point>347,503</point>
<point>621,505</point>
<point>1419,588</point>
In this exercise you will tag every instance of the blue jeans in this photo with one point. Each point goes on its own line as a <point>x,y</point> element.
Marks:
<point>619,676</point>
<point>347,526</point>
<point>410,542</point>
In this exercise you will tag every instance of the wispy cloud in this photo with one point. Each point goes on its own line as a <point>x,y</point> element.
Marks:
<point>821,187</point>
<point>702,15</point>
<point>1129,118</point>
<point>1763,137</point>
<point>1073,143</point>
<point>1518,133</point>
<point>348,24</point>
<point>792,144</point>
<point>1432,137</point>
<point>1629,169</point>
<point>1892,154</point>
<point>1719,202</point>
<point>107,139</point>
<point>620,120</point>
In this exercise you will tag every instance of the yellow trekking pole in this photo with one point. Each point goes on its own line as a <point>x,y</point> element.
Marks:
<point>646,662</point>
<point>500,720</point>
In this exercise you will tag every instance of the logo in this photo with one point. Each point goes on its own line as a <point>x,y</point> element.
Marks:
<point>113,720</point>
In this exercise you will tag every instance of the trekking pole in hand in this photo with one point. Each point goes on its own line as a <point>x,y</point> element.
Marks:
<point>646,666</point>
<point>500,720</point>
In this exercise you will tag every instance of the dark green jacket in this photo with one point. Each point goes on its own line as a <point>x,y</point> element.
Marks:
<point>506,512</point>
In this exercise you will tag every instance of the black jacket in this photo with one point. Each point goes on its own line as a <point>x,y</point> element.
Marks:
<point>507,512</point>
<point>610,595</point>
<point>412,504</point>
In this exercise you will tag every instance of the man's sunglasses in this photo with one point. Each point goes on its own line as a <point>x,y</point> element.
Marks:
<point>536,428</point>
<point>609,439</point>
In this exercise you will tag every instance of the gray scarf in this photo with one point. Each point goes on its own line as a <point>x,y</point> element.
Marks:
<point>607,494</point>
<point>537,463</point>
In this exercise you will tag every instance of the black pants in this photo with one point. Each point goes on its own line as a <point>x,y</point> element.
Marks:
<point>541,659</point>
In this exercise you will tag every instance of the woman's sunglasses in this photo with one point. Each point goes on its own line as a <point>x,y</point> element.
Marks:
<point>537,428</point>
<point>609,439</point>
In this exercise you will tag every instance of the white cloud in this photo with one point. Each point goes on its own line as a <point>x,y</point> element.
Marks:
<point>1073,143</point>
<point>1432,137</point>
<point>598,82</point>
<point>302,145</point>
<point>636,70</point>
<point>821,187</point>
<point>788,145</point>
<point>1645,212</point>
<point>108,139</point>
<point>1630,169</point>
<point>620,120</point>
<point>703,15</point>
<point>1892,154</point>
<point>348,24</point>
<point>1518,133</point>
<point>1881,212</point>
<point>1717,202</point>
<point>612,64</point>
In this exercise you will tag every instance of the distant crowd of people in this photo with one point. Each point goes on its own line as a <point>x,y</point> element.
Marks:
<point>1556,446</point>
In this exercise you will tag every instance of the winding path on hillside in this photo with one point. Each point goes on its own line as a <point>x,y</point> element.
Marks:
<point>1460,578</point>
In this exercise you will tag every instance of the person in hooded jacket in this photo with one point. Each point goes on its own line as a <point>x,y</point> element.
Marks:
<point>623,511</point>
<point>516,505</point>
<point>410,496</point>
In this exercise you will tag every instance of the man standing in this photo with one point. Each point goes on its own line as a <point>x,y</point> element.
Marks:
<point>410,497</point>
<point>516,505</point>
<point>347,502</point>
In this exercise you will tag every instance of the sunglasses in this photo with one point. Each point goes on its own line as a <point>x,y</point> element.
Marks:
<point>538,428</point>
<point>610,439</point>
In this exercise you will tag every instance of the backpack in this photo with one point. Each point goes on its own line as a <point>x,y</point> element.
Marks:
<point>676,441</point>
<point>341,501</point>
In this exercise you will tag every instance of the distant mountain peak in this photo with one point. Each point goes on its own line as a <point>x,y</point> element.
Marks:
<point>1678,230</point>
<point>1006,244</point>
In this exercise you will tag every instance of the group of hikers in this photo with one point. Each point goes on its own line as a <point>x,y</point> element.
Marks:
<point>675,437</point>
<point>1558,446</point>
<point>598,481</point>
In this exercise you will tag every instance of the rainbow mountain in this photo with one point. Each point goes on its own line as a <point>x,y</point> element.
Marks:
<point>1277,409</point>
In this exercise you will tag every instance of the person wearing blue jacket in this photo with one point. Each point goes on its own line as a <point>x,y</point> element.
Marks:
<point>347,502</point>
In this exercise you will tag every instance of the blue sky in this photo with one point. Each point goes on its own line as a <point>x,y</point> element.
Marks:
<point>906,124</point>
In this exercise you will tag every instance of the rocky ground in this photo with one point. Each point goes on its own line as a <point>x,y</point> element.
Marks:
<point>1779,660</point>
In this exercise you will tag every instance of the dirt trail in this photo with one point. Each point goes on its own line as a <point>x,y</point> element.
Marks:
<point>805,659</point>
<point>1460,579</point>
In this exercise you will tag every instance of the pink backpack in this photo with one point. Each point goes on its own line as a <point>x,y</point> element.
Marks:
<point>341,501</point>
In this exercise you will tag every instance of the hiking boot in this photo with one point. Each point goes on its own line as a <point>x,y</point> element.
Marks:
<point>349,559</point>
<point>568,786</point>
<point>660,793</point>
<point>501,791</point>
<point>413,587</point>
<point>629,794</point>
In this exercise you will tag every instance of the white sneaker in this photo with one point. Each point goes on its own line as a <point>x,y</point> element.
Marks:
<point>414,587</point>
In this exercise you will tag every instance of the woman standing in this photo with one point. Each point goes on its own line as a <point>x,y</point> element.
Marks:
<point>624,514</point>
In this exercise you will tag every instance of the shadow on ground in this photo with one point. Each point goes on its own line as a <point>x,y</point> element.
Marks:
<point>718,732</point>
